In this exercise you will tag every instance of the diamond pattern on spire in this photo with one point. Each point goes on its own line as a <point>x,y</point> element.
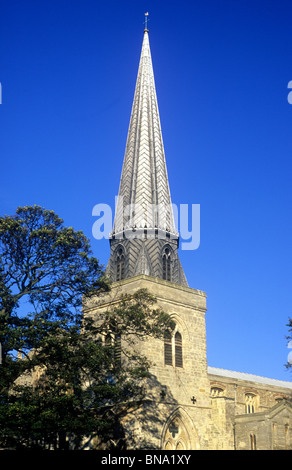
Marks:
<point>144,222</point>
<point>144,179</point>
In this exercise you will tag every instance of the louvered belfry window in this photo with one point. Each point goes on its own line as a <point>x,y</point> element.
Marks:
<point>166,264</point>
<point>173,349</point>
<point>178,350</point>
<point>168,349</point>
<point>117,350</point>
<point>120,265</point>
<point>113,341</point>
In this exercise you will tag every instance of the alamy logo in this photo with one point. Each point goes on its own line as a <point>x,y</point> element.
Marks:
<point>135,221</point>
<point>289,97</point>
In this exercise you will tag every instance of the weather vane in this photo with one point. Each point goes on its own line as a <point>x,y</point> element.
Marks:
<point>146,21</point>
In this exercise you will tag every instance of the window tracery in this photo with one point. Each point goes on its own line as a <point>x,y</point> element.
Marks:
<point>250,403</point>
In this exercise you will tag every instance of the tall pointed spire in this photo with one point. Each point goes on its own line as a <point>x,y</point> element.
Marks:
<point>144,222</point>
<point>144,180</point>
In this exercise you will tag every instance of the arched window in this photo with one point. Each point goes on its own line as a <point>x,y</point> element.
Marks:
<point>180,433</point>
<point>166,264</point>
<point>168,349</point>
<point>250,402</point>
<point>178,350</point>
<point>252,441</point>
<point>180,445</point>
<point>113,341</point>
<point>173,349</point>
<point>120,264</point>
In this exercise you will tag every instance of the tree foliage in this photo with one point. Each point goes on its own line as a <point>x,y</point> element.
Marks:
<point>63,373</point>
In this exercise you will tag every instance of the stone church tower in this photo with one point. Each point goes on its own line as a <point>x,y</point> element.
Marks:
<point>189,405</point>
<point>144,254</point>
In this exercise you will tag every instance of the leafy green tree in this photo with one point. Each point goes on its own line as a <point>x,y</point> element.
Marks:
<point>62,373</point>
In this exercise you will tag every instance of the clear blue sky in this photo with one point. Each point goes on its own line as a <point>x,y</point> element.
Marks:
<point>68,71</point>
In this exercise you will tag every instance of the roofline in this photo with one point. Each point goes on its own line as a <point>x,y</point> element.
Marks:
<point>248,377</point>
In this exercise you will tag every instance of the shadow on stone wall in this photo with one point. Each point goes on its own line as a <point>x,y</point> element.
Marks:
<point>139,424</point>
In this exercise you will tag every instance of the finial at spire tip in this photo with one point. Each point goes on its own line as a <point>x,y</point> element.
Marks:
<point>146,21</point>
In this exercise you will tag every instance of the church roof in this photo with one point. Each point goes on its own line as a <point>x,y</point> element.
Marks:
<point>144,180</point>
<point>248,377</point>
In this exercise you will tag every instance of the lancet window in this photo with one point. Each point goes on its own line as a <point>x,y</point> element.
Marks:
<point>166,264</point>
<point>252,442</point>
<point>173,351</point>
<point>113,342</point>
<point>168,349</point>
<point>120,264</point>
<point>178,349</point>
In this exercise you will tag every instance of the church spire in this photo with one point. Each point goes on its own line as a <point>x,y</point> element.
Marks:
<point>144,223</point>
<point>144,181</point>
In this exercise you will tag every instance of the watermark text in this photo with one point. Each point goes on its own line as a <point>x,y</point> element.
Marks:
<point>148,220</point>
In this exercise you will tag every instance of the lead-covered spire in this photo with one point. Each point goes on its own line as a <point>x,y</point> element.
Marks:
<point>144,195</point>
<point>144,238</point>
